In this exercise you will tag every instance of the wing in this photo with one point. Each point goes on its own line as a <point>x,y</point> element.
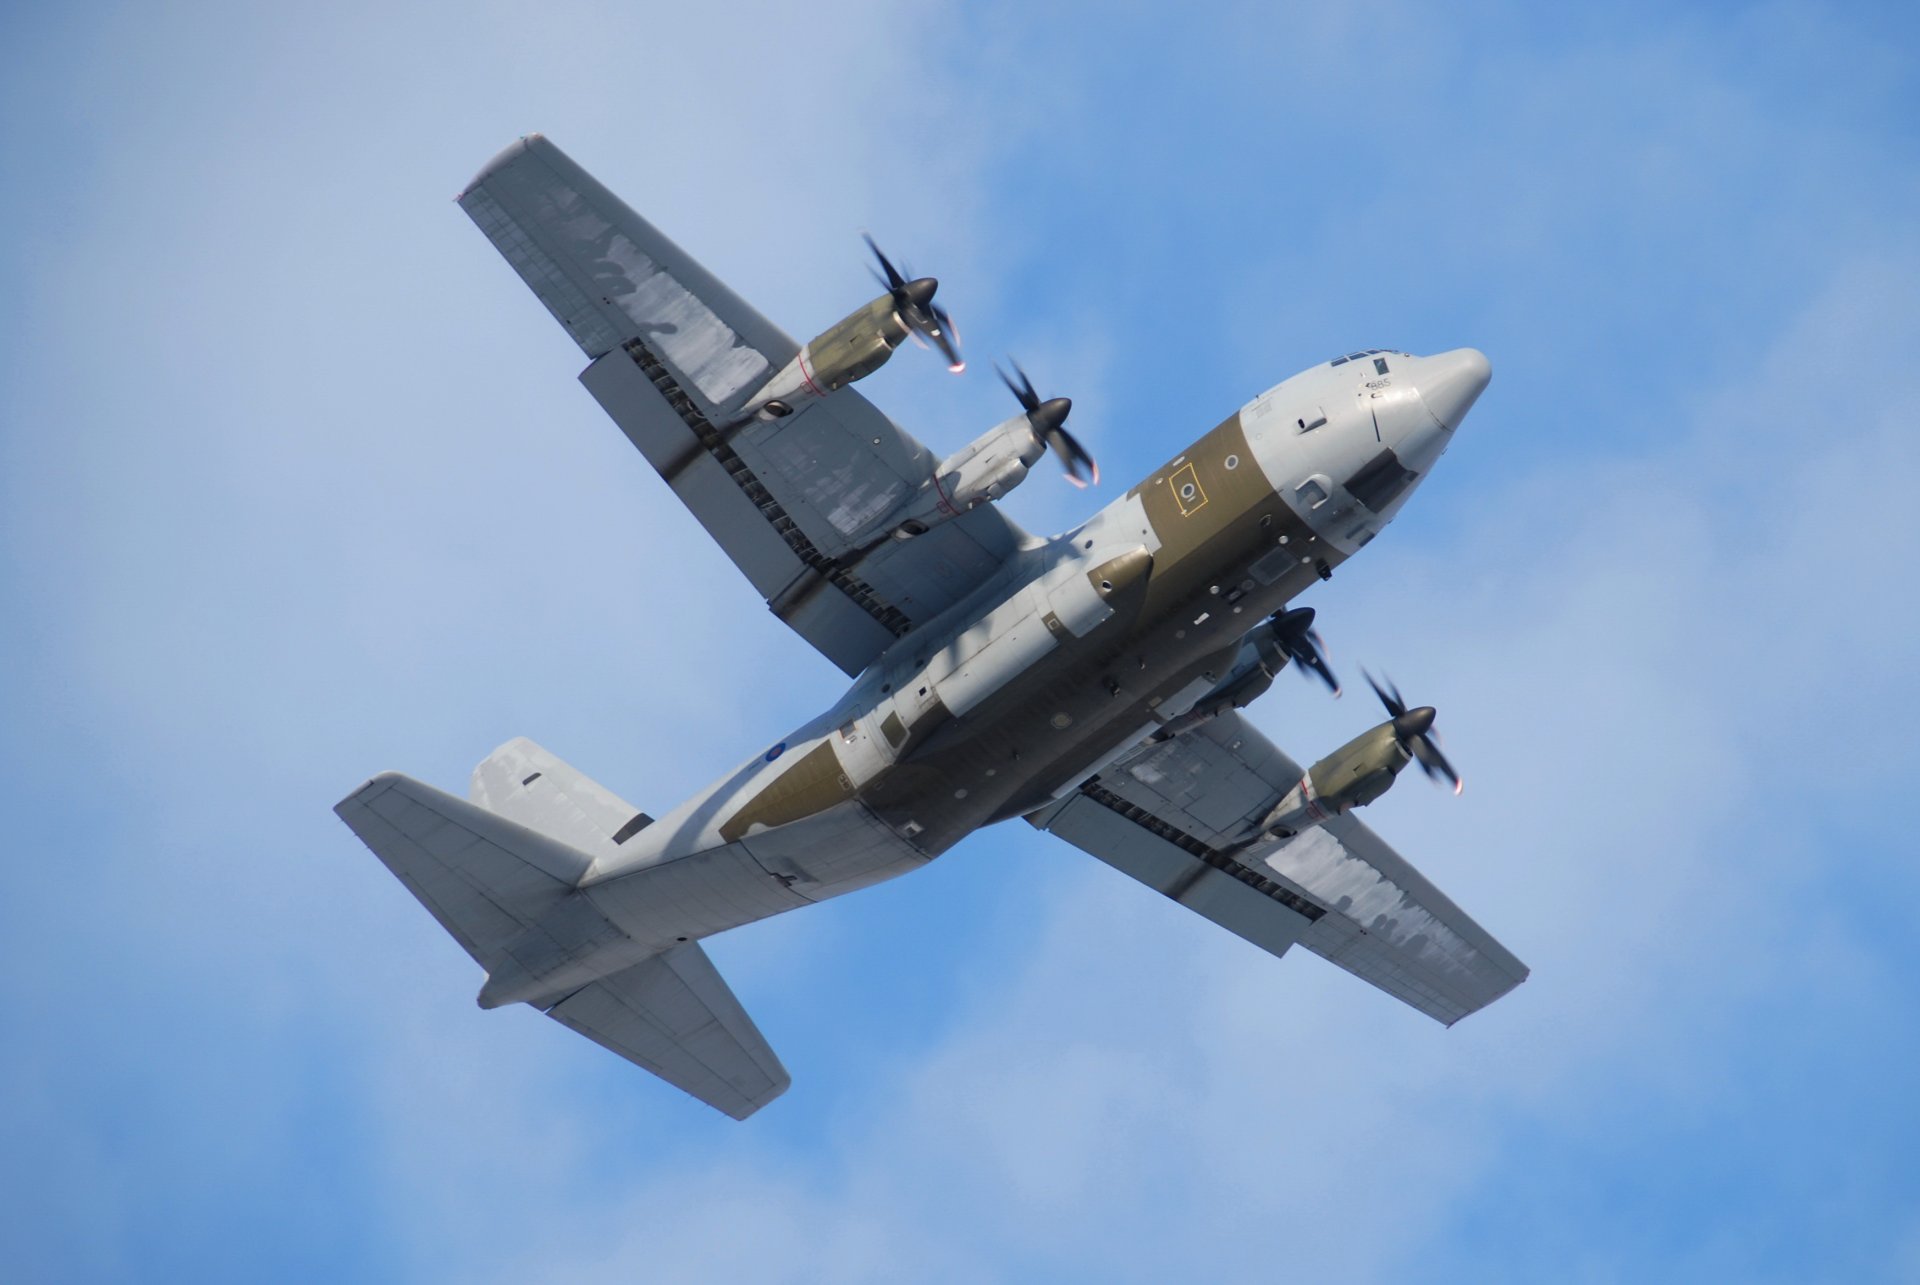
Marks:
<point>794,502</point>
<point>1170,816</point>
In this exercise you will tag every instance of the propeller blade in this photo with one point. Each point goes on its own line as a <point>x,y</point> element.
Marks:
<point>1295,633</point>
<point>1080,467</point>
<point>1395,706</point>
<point>1435,764</point>
<point>1048,420</point>
<point>893,278</point>
<point>947,338</point>
<point>913,303</point>
<point>1022,391</point>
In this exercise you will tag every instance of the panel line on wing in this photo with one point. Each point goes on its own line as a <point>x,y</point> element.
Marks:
<point>890,617</point>
<point>1200,848</point>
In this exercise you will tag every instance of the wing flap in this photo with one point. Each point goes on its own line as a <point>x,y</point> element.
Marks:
<point>1210,890</point>
<point>845,621</point>
<point>674,1015</point>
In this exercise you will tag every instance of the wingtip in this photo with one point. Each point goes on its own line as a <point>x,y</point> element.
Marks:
<point>501,159</point>
<point>372,785</point>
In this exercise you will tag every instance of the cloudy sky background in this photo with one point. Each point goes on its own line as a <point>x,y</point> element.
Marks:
<point>296,485</point>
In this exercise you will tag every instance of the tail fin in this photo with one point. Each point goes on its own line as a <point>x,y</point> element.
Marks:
<point>525,783</point>
<point>498,878</point>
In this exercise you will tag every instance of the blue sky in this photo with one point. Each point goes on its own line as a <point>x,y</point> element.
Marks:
<point>296,485</point>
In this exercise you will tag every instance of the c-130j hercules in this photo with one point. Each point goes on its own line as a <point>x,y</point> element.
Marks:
<point>1087,682</point>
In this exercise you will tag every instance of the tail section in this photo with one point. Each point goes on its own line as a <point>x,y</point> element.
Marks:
<point>500,874</point>
<point>484,877</point>
<point>523,782</point>
<point>674,1015</point>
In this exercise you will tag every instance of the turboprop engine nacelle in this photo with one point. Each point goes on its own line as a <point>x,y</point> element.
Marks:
<point>1351,777</point>
<point>1286,638</point>
<point>994,464</point>
<point>1248,679</point>
<point>855,347</point>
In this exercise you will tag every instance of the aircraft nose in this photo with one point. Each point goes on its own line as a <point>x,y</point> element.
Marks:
<point>1452,381</point>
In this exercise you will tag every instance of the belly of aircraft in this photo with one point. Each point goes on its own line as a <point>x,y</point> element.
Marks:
<point>1081,704</point>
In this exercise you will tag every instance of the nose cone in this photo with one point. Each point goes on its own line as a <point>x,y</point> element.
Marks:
<point>1452,381</point>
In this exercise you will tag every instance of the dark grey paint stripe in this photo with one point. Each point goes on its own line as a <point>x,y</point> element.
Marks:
<point>1200,848</point>
<point>891,618</point>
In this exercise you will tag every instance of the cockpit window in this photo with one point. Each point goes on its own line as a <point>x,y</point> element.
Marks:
<point>1356,356</point>
<point>1380,365</point>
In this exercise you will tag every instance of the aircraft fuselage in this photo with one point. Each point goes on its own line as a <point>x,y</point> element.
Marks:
<point>1085,644</point>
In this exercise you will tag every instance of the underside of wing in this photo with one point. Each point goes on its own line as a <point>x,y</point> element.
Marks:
<point>801,503</point>
<point>1174,815</point>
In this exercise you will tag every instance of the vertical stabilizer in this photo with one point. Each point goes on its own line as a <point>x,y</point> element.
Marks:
<point>525,783</point>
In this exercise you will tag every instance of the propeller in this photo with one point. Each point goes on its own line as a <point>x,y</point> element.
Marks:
<point>1049,420</point>
<point>913,301</point>
<point>1414,730</point>
<point>1294,633</point>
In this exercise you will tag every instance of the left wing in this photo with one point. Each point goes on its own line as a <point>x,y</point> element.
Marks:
<point>1171,815</point>
<point>797,503</point>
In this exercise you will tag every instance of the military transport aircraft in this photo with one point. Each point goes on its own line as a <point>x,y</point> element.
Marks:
<point>1088,682</point>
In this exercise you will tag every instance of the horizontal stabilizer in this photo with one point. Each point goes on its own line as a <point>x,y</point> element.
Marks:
<point>483,876</point>
<point>673,1015</point>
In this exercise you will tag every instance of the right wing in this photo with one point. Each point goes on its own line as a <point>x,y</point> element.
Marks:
<point>1171,815</point>
<point>674,354</point>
